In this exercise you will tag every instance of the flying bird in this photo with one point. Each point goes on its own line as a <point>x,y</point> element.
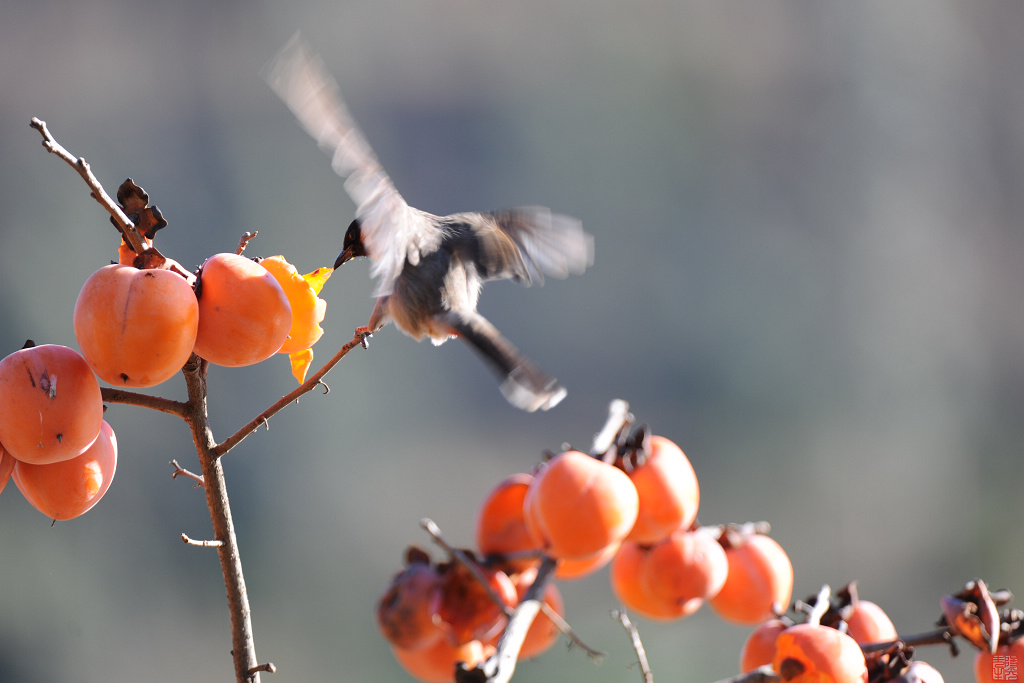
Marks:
<point>430,269</point>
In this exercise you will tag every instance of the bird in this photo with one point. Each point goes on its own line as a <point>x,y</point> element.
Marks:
<point>429,269</point>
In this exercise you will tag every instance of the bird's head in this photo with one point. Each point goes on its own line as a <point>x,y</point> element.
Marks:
<point>353,244</point>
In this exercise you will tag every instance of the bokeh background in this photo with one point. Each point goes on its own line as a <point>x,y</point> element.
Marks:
<point>808,274</point>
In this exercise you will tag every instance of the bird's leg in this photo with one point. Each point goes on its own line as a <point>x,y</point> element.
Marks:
<point>378,318</point>
<point>364,333</point>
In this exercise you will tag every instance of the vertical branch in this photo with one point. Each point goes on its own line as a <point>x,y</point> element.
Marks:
<point>243,646</point>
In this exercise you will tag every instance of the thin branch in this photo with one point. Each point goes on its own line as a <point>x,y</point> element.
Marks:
<point>164,405</point>
<point>121,220</point>
<point>634,636</point>
<point>502,664</point>
<point>939,636</point>
<point>180,471</point>
<point>567,631</point>
<point>216,543</point>
<point>307,386</point>
<point>268,667</point>
<point>434,530</point>
<point>244,240</point>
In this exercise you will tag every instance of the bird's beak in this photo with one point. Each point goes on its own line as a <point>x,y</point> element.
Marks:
<point>346,255</point>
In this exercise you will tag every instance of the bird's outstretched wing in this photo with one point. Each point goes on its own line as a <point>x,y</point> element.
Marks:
<point>528,242</point>
<point>392,230</point>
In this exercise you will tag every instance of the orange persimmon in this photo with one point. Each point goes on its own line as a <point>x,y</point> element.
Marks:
<point>626,576</point>
<point>6,467</point>
<point>244,315</point>
<point>759,583</point>
<point>866,622</point>
<point>69,488</point>
<point>436,663</point>
<point>136,328</point>
<point>50,404</point>
<point>811,653</point>
<point>686,567</point>
<point>577,506</point>
<point>500,525</point>
<point>759,648</point>
<point>668,491</point>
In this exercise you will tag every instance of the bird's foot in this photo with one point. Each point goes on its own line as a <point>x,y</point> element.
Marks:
<point>364,333</point>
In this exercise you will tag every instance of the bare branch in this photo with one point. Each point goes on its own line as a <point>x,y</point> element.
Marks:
<point>268,667</point>
<point>284,401</point>
<point>164,405</point>
<point>435,532</point>
<point>121,220</point>
<point>179,471</point>
<point>243,643</point>
<point>244,240</point>
<point>567,630</point>
<point>502,664</point>
<point>634,636</point>
<point>618,417</point>
<point>216,543</point>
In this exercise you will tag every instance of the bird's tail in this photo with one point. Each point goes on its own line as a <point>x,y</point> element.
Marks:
<point>525,385</point>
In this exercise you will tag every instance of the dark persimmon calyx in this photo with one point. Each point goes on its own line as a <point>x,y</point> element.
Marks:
<point>134,202</point>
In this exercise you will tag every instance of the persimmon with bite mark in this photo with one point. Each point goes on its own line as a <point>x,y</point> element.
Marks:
<point>811,653</point>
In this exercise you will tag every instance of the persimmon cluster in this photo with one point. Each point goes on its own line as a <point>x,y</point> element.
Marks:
<point>137,322</point>
<point>633,506</point>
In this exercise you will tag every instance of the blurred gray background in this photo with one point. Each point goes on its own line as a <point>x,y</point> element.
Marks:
<point>808,246</point>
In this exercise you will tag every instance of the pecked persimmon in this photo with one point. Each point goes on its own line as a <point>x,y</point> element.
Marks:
<point>500,527</point>
<point>668,491</point>
<point>811,653</point>
<point>759,583</point>
<point>244,315</point>
<point>465,609</point>
<point>436,663</point>
<point>866,622</point>
<point>577,506</point>
<point>136,328</point>
<point>686,568</point>
<point>307,308</point>
<point>67,489</point>
<point>6,467</point>
<point>988,669</point>
<point>759,648</point>
<point>407,612</point>
<point>626,576</point>
<point>50,404</point>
